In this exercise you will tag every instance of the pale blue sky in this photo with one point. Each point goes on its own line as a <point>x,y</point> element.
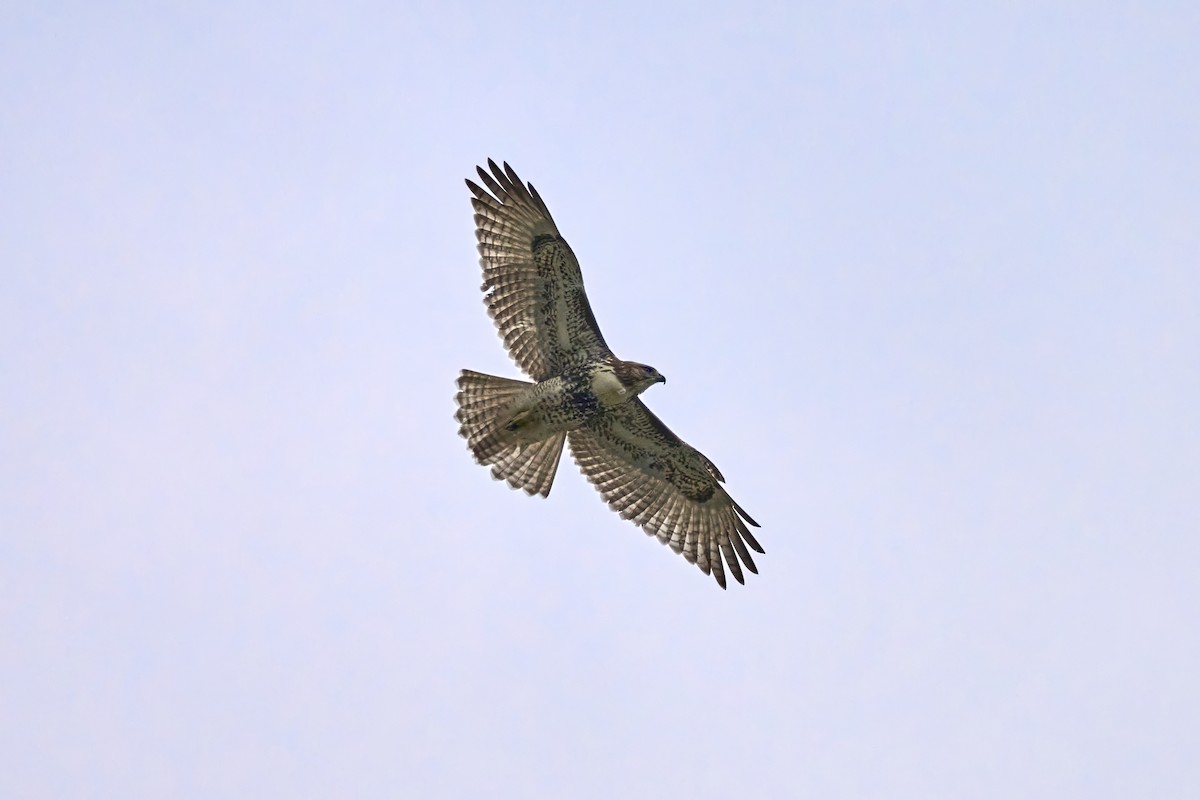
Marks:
<point>924,278</point>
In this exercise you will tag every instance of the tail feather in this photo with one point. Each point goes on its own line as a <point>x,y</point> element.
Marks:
<point>528,466</point>
<point>481,398</point>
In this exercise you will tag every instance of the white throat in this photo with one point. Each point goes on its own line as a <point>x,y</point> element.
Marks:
<point>607,388</point>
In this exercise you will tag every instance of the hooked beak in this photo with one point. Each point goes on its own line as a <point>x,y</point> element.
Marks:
<point>661,379</point>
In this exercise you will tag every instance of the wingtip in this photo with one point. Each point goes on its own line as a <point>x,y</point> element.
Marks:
<point>742,512</point>
<point>478,194</point>
<point>514,179</point>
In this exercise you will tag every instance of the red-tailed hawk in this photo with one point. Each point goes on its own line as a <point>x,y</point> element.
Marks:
<point>582,392</point>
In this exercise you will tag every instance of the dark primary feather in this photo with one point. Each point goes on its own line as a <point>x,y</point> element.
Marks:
<point>652,477</point>
<point>531,280</point>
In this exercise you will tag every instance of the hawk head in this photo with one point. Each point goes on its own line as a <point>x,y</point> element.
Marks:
<point>637,377</point>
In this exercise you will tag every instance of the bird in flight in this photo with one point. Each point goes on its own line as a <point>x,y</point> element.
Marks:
<point>581,393</point>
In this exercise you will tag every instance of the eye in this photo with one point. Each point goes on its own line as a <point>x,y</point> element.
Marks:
<point>647,370</point>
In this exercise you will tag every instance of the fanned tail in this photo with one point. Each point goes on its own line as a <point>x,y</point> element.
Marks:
<point>529,466</point>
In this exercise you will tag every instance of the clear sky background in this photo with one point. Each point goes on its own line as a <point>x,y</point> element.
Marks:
<point>925,281</point>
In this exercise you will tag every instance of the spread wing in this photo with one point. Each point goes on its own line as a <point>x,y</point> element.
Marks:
<point>531,280</point>
<point>651,476</point>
